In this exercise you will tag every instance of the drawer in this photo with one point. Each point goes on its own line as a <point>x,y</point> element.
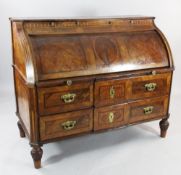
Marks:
<point>66,124</point>
<point>109,117</point>
<point>148,109</point>
<point>149,86</point>
<point>109,92</point>
<point>65,98</point>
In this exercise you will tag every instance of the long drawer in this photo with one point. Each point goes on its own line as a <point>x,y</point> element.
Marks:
<point>149,86</point>
<point>148,109</point>
<point>71,123</point>
<point>117,91</point>
<point>128,113</point>
<point>65,98</point>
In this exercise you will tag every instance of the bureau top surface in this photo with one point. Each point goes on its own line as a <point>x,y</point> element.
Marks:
<point>59,48</point>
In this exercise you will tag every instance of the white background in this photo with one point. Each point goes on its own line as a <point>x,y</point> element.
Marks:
<point>104,153</point>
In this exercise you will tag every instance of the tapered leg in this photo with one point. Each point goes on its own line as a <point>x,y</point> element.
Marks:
<point>164,124</point>
<point>21,131</point>
<point>36,154</point>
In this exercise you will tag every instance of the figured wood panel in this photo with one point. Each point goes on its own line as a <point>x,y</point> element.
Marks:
<point>129,51</point>
<point>110,117</point>
<point>142,50</point>
<point>159,109</point>
<point>106,50</point>
<point>56,54</point>
<point>76,55</point>
<point>23,101</point>
<point>138,90</point>
<point>51,102</point>
<point>109,92</point>
<point>18,54</point>
<point>51,126</point>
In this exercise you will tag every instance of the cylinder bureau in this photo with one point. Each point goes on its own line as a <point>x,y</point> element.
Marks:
<point>78,76</point>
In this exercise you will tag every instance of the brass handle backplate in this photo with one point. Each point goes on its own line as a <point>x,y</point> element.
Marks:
<point>150,86</point>
<point>68,98</point>
<point>112,92</point>
<point>68,125</point>
<point>111,117</point>
<point>148,110</point>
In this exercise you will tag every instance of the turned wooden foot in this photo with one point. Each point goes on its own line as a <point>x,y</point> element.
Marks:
<point>164,124</point>
<point>36,154</point>
<point>21,131</point>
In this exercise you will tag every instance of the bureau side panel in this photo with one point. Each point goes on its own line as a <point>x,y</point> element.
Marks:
<point>22,95</point>
<point>18,54</point>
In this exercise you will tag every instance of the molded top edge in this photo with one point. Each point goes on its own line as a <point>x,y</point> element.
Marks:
<point>79,18</point>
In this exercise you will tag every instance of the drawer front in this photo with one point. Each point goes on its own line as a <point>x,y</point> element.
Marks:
<point>148,109</point>
<point>109,117</point>
<point>149,86</point>
<point>58,99</point>
<point>109,92</point>
<point>66,124</point>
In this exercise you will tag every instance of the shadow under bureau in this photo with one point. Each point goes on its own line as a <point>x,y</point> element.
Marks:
<point>76,76</point>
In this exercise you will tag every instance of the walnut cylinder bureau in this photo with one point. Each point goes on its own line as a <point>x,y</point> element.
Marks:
<point>77,76</point>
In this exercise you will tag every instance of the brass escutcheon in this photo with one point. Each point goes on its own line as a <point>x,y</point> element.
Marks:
<point>153,72</point>
<point>111,117</point>
<point>69,82</point>
<point>112,92</point>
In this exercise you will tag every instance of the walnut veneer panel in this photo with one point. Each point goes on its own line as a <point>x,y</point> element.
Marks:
<point>110,117</point>
<point>70,56</point>
<point>23,103</point>
<point>54,126</point>
<point>65,98</point>
<point>18,51</point>
<point>137,86</point>
<point>110,92</point>
<point>156,107</point>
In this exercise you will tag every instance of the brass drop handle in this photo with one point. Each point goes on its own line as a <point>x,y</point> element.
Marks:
<point>112,92</point>
<point>150,86</point>
<point>68,98</point>
<point>68,125</point>
<point>148,110</point>
<point>111,117</point>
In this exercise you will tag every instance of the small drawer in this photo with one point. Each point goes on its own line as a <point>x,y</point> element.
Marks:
<point>66,124</point>
<point>65,98</point>
<point>109,117</point>
<point>149,86</point>
<point>148,109</point>
<point>109,92</point>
